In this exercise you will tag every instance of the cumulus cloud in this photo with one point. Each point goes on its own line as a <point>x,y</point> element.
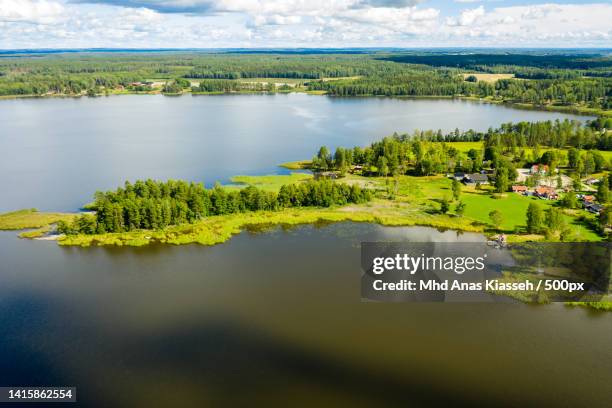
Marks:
<point>273,19</point>
<point>467,17</point>
<point>543,24</point>
<point>41,11</point>
<point>286,23</point>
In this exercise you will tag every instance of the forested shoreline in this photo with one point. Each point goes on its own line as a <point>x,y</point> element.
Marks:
<point>570,81</point>
<point>510,146</point>
<point>593,91</point>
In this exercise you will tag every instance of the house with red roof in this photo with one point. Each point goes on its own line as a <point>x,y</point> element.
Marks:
<point>541,169</point>
<point>546,193</point>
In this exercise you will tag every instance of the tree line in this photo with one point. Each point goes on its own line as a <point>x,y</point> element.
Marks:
<point>155,205</point>
<point>559,79</point>
<point>556,134</point>
<point>504,149</point>
<point>565,61</point>
<point>225,86</point>
<point>596,92</point>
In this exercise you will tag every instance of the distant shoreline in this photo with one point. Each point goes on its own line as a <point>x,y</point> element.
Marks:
<point>592,112</point>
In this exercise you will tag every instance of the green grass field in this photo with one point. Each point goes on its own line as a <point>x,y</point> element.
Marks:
<point>425,193</point>
<point>31,218</point>
<point>464,147</point>
<point>269,182</point>
<point>514,207</point>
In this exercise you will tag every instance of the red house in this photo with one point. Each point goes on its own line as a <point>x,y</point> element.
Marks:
<point>547,193</point>
<point>519,189</point>
<point>541,169</point>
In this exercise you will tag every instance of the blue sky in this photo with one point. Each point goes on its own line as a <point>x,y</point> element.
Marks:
<point>304,23</point>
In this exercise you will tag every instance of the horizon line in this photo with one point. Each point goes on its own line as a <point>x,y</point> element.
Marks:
<point>285,49</point>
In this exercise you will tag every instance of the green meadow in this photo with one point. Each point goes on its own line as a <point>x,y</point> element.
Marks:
<point>269,182</point>
<point>31,218</point>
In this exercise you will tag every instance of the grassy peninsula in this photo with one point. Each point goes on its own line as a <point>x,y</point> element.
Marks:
<point>39,223</point>
<point>414,201</point>
<point>542,181</point>
<point>532,181</point>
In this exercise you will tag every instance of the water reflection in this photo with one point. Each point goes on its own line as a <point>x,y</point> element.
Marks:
<point>59,151</point>
<point>275,318</point>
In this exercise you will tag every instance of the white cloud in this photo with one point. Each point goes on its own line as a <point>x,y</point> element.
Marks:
<point>467,17</point>
<point>274,19</point>
<point>544,24</point>
<point>40,11</point>
<point>286,23</point>
<point>389,16</point>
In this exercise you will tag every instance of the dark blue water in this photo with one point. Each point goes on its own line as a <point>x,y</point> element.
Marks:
<point>275,319</point>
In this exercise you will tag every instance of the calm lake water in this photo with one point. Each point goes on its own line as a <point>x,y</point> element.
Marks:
<point>271,318</point>
<point>57,152</point>
<point>275,317</point>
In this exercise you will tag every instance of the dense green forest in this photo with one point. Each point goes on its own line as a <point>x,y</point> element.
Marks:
<point>75,73</point>
<point>511,146</point>
<point>155,205</point>
<point>596,92</point>
<point>489,62</point>
<point>583,81</point>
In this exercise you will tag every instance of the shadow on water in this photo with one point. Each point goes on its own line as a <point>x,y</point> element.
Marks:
<point>259,321</point>
<point>219,362</point>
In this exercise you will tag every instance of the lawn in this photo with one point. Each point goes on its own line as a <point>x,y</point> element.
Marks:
<point>464,147</point>
<point>514,208</point>
<point>424,194</point>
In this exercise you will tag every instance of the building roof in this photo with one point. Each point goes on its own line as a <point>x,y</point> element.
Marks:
<point>477,177</point>
<point>594,206</point>
<point>542,190</point>
<point>539,167</point>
